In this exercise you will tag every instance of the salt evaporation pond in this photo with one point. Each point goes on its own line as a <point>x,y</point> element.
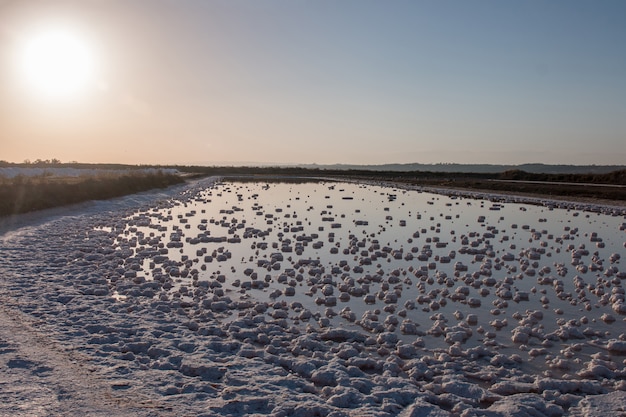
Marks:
<point>337,298</point>
<point>436,272</point>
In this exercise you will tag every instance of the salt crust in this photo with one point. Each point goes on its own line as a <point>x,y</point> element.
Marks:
<point>189,363</point>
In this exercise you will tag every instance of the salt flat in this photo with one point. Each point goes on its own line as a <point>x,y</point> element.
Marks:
<point>265,298</point>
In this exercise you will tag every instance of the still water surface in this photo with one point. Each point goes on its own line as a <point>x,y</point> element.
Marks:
<point>373,257</point>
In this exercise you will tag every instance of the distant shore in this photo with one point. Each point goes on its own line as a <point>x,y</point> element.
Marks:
<point>35,188</point>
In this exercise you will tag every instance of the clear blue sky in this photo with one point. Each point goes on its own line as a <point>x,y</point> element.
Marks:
<point>327,81</point>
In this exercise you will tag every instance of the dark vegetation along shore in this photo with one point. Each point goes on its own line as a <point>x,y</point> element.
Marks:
<point>609,187</point>
<point>23,194</point>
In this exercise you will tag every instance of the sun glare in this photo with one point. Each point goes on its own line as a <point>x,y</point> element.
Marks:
<point>57,63</point>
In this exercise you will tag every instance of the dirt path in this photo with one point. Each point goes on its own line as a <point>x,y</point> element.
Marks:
<point>38,377</point>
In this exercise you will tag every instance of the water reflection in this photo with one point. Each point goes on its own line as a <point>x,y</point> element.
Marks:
<point>434,270</point>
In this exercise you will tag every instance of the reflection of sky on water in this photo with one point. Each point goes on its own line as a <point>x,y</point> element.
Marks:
<point>393,218</point>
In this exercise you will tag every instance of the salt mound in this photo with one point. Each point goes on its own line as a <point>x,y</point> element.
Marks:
<point>519,405</point>
<point>606,405</point>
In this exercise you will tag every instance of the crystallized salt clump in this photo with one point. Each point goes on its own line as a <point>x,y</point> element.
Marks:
<point>616,346</point>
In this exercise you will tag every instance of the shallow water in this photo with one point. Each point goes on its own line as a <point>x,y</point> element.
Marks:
<point>354,242</point>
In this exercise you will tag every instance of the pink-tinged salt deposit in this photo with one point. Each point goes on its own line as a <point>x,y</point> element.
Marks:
<point>308,299</point>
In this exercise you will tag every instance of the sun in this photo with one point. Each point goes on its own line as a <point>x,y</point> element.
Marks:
<point>57,63</point>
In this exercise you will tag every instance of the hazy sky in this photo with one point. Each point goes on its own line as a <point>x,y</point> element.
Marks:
<point>324,81</point>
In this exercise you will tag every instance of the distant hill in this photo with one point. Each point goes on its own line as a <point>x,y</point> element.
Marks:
<point>477,168</point>
<point>412,167</point>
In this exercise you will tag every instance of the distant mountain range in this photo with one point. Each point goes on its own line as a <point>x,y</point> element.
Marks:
<point>477,168</point>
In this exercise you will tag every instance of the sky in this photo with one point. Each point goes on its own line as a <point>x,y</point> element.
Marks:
<point>317,81</point>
